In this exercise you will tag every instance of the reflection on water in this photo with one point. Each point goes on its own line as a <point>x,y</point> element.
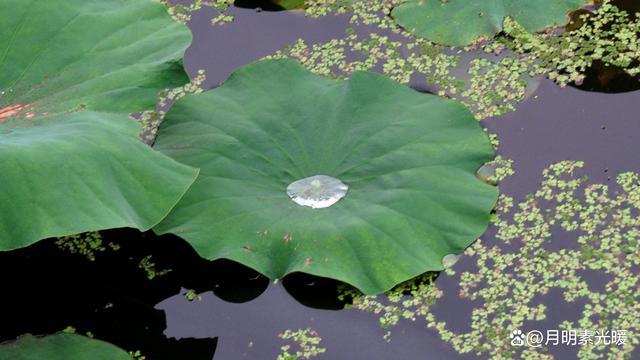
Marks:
<point>605,78</point>
<point>47,289</point>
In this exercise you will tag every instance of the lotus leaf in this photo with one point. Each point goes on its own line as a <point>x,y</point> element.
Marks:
<point>60,347</point>
<point>70,72</point>
<point>407,158</point>
<point>460,22</point>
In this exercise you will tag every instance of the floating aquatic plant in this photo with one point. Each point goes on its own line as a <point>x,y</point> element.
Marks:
<point>86,244</point>
<point>406,162</point>
<point>62,346</point>
<point>514,274</point>
<point>306,345</point>
<point>150,269</point>
<point>181,12</point>
<point>70,72</point>
<point>461,22</point>
<point>608,35</point>
<point>151,119</point>
<point>489,87</point>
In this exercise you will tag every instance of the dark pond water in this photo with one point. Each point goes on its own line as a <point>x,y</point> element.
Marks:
<point>241,313</point>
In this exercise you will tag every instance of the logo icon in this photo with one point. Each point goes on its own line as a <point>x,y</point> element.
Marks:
<point>517,338</point>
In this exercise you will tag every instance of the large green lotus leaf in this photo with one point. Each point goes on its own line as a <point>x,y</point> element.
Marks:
<point>70,72</point>
<point>459,22</point>
<point>70,173</point>
<point>112,55</point>
<point>61,347</point>
<point>408,158</point>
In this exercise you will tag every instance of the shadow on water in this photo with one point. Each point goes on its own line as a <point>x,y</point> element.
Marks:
<point>313,291</point>
<point>112,297</point>
<point>259,5</point>
<point>632,7</point>
<point>601,77</point>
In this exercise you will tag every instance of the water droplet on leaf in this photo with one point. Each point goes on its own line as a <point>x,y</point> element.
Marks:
<point>319,191</point>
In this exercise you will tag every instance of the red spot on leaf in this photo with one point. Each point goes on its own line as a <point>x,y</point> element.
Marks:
<point>9,111</point>
<point>307,261</point>
<point>17,111</point>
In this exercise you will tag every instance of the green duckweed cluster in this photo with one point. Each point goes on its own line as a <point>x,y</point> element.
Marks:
<point>85,244</point>
<point>487,87</point>
<point>501,167</point>
<point>151,119</point>
<point>182,13</point>
<point>490,77</point>
<point>513,276</point>
<point>497,169</point>
<point>192,295</point>
<point>149,267</point>
<point>490,84</point>
<point>410,300</point>
<point>305,344</point>
<point>72,330</point>
<point>609,36</point>
<point>91,243</point>
<point>137,355</point>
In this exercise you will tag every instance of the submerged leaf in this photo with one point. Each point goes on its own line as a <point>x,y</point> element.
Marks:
<point>460,22</point>
<point>408,160</point>
<point>70,72</point>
